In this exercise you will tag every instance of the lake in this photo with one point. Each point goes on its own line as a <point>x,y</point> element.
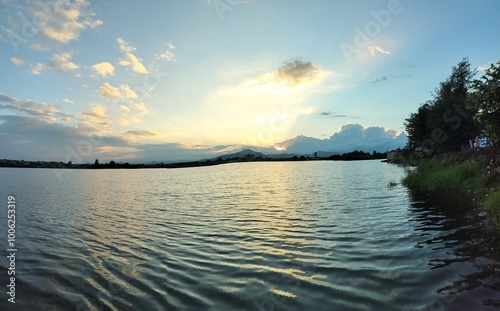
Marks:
<point>316,235</point>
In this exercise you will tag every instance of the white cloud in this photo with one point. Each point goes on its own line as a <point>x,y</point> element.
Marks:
<point>129,59</point>
<point>38,69</point>
<point>106,90</point>
<point>104,69</point>
<point>127,120</point>
<point>59,62</point>
<point>63,20</point>
<point>69,101</point>
<point>98,113</point>
<point>17,60</point>
<point>484,67</point>
<point>123,92</point>
<point>349,137</point>
<point>127,92</point>
<point>170,46</point>
<point>168,54</point>
<point>140,108</point>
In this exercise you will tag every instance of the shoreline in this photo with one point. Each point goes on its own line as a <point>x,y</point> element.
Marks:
<point>200,163</point>
<point>474,172</point>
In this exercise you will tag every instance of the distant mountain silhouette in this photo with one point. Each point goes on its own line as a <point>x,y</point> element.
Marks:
<point>241,154</point>
<point>249,153</point>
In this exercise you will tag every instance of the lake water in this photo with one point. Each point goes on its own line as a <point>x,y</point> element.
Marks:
<point>318,235</point>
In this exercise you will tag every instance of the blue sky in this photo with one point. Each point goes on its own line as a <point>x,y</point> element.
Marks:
<point>169,80</point>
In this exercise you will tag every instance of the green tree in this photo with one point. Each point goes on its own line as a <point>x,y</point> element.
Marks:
<point>486,99</point>
<point>444,123</point>
<point>451,119</point>
<point>417,128</point>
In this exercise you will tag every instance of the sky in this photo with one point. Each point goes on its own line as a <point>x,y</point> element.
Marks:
<point>168,80</point>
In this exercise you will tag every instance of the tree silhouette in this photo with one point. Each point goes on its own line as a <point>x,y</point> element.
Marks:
<point>486,99</point>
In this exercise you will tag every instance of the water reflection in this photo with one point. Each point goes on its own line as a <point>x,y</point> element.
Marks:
<point>459,239</point>
<point>250,236</point>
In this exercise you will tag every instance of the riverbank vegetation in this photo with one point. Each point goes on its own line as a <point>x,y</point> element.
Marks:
<point>446,136</point>
<point>475,173</point>
<point>461,109</point>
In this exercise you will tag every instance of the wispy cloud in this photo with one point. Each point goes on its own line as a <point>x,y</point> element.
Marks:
<point>380,79</point>
<point>43,111</point>
<point>17,60</point>
<point>484,67</point>
<point>129,59</point>
<point>111,92</point>
<point>168,54</point>
<point>59,62</point>
<point>389,77</point>
<point>141,133</point>
<point>96,121</point>
<point>330,114</point>
<point>373,49</point>
<point>171,46</point>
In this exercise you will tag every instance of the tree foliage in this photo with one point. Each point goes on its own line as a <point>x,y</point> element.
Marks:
<point>486,99</point>
<point>444,123</point>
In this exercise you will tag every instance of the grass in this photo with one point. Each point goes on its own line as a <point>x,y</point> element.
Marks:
<point>447,173</point>
<point>443,175</point>
<point>492,206</point>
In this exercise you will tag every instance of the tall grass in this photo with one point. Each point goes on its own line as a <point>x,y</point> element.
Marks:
<point>492,206</point>
<point>446,174</point>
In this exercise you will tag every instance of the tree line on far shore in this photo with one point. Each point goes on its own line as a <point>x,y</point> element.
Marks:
<point>461,109</point>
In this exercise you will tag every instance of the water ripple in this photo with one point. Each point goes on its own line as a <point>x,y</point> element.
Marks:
<point>250,236</point>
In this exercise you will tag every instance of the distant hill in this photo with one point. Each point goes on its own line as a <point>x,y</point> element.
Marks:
<point>249,153</point>
<point>245,153</point>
